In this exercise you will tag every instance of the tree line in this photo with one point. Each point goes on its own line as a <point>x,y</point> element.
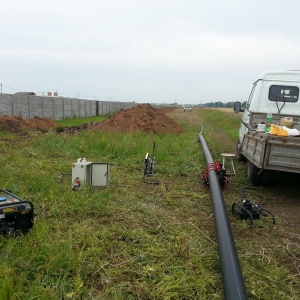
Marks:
<point>220,104</point>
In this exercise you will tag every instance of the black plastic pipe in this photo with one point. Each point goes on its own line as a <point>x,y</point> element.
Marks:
<point>233,281</point>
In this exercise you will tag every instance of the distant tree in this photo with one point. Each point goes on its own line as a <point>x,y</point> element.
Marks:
<point>229,104</point>
<point>219,104</point>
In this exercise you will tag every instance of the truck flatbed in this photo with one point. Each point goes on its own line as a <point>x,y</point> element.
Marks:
<point>272,152</point>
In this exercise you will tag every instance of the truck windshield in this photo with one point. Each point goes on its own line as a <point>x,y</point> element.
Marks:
<point>283,93</point>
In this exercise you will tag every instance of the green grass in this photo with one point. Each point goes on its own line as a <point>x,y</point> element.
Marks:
<point>78,121</point>
<point>133,239</point>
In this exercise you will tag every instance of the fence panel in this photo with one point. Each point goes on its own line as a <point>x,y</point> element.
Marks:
<point>56,108</point>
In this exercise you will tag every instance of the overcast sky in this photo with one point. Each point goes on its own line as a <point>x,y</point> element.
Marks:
<point>148,51</point>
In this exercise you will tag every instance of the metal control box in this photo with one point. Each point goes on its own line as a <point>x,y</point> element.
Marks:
<point>87,173</point>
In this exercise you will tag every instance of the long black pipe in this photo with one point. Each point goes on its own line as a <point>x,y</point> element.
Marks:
<point>234,286</point>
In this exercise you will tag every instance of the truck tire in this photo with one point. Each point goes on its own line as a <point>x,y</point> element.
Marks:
<point>267,177</point>
<point>238,154</point>
<point>252,173</point>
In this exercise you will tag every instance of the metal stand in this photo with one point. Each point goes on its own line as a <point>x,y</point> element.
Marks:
<point>149,164</point>
<point>230,156</point>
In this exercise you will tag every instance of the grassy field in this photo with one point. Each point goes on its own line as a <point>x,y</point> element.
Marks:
<point>134,240</point>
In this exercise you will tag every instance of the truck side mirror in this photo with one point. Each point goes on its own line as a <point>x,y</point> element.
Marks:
<point>237,107</point>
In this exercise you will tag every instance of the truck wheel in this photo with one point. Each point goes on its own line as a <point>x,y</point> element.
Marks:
<point>238,154</point>
<point>267,177</point>
<point>252,173</point>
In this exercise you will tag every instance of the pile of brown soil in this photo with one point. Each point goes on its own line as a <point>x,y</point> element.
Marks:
<point>18,124</point>
<point>143,117</point>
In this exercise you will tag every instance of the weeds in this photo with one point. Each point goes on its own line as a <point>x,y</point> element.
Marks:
<point>133,239</point>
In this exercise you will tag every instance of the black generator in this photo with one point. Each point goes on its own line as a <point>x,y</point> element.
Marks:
<point>16,214</point>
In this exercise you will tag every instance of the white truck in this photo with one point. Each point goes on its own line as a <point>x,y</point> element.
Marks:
<point>187,108</point>
<point>278,92</point>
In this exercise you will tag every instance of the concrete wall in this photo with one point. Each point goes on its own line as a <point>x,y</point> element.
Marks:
<point>57,108</point>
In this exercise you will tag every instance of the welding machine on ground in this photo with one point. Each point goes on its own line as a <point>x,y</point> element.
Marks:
<point>87,173</point>
<point>16,214</point>
<point>246,209</point>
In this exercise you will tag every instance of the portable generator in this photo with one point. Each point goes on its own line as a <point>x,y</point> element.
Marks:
<point>16,214</point>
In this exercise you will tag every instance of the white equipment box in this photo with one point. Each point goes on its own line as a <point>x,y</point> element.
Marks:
<point>90,174</point>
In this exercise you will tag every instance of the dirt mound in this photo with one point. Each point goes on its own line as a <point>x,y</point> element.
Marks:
<point>18,124</point>
<point>143,117</point>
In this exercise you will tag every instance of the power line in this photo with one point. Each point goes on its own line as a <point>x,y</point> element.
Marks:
<point>75,95</point>
<point>9,88</point>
